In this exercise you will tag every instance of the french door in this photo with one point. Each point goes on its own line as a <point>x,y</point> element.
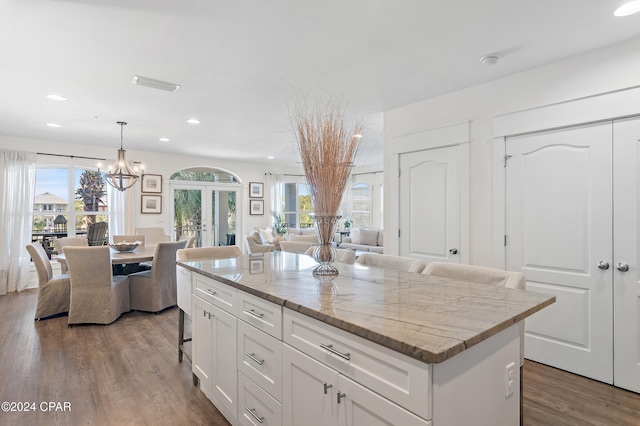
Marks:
<point>207,211</point>
<point>572,228</point>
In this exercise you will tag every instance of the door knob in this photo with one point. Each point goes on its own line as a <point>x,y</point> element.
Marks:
<point>623,267</point>
<point>453,251</point>
<point>603,265</point>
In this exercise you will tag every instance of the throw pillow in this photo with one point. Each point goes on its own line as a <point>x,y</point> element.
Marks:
<point>369,238</point>
<point>355,236</point>
<point>305,238</point>
<point>267,235</point>
<point>255,236</point>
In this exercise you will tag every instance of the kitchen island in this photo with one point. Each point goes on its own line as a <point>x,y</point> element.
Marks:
<point>274,345</point>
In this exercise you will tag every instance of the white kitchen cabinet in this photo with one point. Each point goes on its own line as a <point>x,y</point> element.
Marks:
<point>255,406</point>
<point>315,394</point>
<point>214,355</point>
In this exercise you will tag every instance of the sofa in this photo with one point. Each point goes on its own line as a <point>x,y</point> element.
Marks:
<point>299,240</point>
<point>257,243</point>
<point>368,240</point>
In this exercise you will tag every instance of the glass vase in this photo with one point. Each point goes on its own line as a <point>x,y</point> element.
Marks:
<point>325,252</point>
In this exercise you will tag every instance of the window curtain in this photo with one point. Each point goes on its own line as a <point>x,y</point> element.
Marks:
<point>120,218</point>
<point>17,187</point>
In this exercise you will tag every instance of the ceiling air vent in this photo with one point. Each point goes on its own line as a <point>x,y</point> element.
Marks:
<point>155,84</point>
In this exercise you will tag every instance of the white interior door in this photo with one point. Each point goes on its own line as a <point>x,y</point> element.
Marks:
<point>558,230</point>
<point>626,284</point>
<point>430,204</point>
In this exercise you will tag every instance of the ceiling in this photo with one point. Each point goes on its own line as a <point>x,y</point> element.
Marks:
<point>240,64</point>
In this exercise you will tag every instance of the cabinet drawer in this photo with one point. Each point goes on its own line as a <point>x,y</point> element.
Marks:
<point>221,295</point>
<point>260,358</point>
<point>260,313</point>
<point>255,406</point>
<point>401,379</point>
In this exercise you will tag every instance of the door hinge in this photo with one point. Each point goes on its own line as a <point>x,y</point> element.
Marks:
<point>506,158</point>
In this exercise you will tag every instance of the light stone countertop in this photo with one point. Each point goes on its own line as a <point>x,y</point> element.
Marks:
<point>427,318</point>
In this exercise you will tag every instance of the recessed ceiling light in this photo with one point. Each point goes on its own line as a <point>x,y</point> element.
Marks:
<point>193,121</point>
<point>164,139</point>
<point>628,8</point>
<point>53,125</point>
<point>155,84</point>
<point>490,59</point>
<point>271,157</point>
<point>357,136</point>
<point>56,97</point>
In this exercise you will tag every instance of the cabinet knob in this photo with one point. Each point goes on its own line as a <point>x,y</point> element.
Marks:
<point>453,250</point>
<point>622,267</point>
<point>604,265</point>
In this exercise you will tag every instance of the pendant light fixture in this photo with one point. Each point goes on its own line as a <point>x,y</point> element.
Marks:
<point>121,175</point>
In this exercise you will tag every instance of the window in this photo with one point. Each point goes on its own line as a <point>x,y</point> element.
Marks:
<point>361,205</point>
<point>59,206</point>
<point>296,205</point>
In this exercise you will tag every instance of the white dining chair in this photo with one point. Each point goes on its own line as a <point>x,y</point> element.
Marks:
<point>387,261</point>
<point>53,291</point>
<point>62,242</point>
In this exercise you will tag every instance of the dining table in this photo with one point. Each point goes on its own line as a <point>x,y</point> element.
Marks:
<point>136,256</point>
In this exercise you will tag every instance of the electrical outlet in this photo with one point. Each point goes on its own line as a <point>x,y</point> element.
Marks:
<point>509,379</point>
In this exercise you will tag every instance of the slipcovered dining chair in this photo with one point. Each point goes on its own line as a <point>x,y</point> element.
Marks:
<point>61,243</point>
<point>387,261</point>
<point>347,256</point>
<point>154,235</point>
<point>204,253</point>
<point>53,291</point>
<point>190,239</point>
<point>97,297</point>
<point>130,239</point>
<point>97,234</point>
<point>155,290</point>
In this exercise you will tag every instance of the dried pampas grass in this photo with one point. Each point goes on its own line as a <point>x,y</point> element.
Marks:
<point>328,139</point>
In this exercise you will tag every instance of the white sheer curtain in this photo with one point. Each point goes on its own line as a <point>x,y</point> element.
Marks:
<point>121,218</point>
<point>17,186</point>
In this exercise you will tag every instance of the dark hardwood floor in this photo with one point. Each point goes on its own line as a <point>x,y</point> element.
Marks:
<point>128,373</point>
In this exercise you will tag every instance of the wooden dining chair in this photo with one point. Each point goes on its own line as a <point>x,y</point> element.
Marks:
<point>155,290</point>
<point>62,242</point>
<point>97,297</point>
<point>53,291</point>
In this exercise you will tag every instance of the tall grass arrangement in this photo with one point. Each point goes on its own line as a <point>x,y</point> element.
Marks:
<point>328,138</point>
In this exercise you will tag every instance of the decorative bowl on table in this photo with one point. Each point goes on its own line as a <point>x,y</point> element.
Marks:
<point>124,247</point>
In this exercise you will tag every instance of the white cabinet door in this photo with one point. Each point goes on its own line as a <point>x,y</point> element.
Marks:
<point>626,284</point>
<point>224,374</point>
<point>359,406</point>
<point>309,390</point>
<point>201,343</point>
<point>430,205</point>
<point>558,230</point>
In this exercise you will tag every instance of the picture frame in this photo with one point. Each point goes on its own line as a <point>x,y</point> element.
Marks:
<point>151,204</point>
<point>256,207</point>
<point>256,266</point>
<point>152,183</point>
<point>256,190</point>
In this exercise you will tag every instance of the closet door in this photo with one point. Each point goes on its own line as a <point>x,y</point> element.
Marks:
<point>430,205</point>
<point>559,233</point>
<point>626,283</point>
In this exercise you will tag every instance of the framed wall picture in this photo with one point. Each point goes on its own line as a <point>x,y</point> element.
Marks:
<point>152,183</point>
<point>256,207</point>
<point>151,204</point>
<point>256,189</point>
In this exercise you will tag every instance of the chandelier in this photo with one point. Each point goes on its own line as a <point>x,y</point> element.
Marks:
<point>121,175</point>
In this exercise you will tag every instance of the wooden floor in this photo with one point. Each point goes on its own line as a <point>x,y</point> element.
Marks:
<point>128,373</point>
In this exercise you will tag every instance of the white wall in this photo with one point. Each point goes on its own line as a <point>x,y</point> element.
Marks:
<point>581,76</point>
<point>155,163</point>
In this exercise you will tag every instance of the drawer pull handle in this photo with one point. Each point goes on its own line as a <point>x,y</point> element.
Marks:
<point>253,313</point>
<point>346,356</point>
<point>327,386</point>
<point>340,396</point>
<point>252,412</point>
<point>253,357</point>
<point>211,292</point>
